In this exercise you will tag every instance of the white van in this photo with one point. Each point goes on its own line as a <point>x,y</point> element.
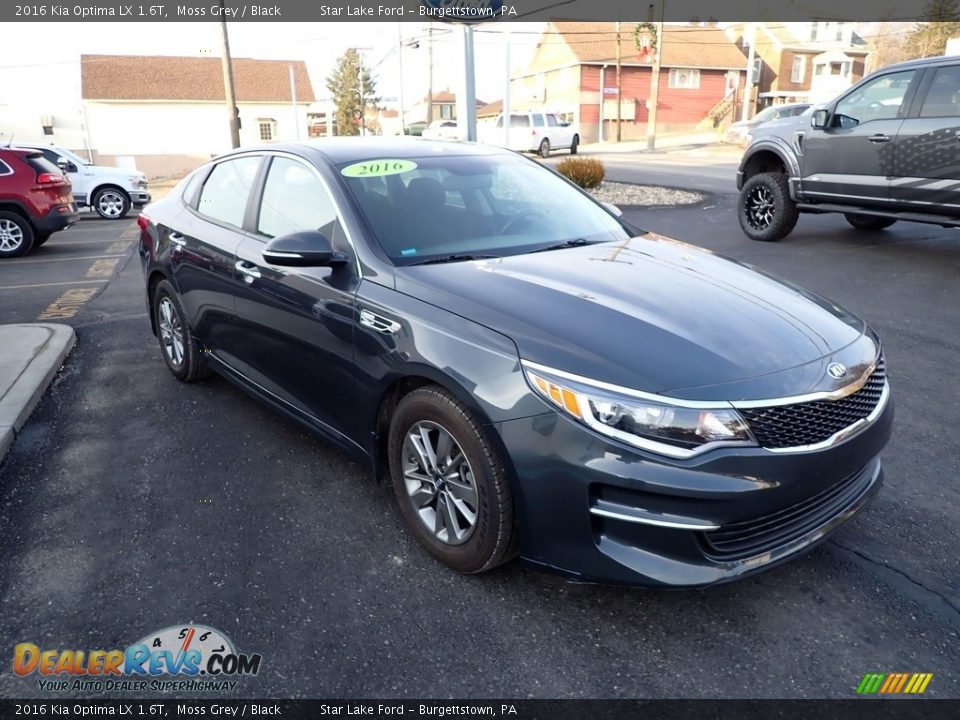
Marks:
<point>108,190</point>
<point>539,132</point>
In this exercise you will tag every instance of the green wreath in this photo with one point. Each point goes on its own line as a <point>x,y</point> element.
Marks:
<point>642,28</point>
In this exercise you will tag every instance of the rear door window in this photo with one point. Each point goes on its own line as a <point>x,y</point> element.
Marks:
<point>225,193</point>
<point>537,120</point>
<point>943,95</point>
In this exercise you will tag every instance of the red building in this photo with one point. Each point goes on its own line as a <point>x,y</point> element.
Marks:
<point>701,77</point>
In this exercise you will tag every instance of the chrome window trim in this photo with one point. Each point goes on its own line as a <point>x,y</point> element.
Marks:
<point>844,434</point>
<point>333,200</point>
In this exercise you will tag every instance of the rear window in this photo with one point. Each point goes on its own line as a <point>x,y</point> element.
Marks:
<point>39,163</point>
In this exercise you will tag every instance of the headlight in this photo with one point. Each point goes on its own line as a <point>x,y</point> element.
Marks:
<point>138,180</point>
<point>678,429</point>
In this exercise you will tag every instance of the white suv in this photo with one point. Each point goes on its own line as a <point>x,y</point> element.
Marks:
<point>110,191</point>
<point>538,132</point>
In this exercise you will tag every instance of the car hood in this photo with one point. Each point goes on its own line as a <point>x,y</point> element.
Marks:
<point>649,313</point>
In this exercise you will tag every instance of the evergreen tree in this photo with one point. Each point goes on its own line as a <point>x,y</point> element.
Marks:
<point>344,84</point>
<point>941,22</point>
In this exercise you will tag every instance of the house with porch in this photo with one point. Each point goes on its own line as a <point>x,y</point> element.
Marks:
<point>573,73</point>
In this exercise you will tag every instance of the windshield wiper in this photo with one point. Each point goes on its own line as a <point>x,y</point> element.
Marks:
<point>576,242</point>
<point>454,258</point>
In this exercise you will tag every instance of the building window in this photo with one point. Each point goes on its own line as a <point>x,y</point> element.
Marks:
<point>446,112</point>
<point>799,70</point>
<point>757,70</point>
<point>268,128</point>
<point>685,79</point>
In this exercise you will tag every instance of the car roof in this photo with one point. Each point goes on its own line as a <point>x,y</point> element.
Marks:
<point>922,62</point>
<point>338,150</point>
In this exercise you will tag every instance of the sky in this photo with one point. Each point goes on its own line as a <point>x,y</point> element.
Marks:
<point>39,52</point>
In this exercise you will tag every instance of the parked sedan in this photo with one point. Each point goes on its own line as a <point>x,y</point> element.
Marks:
<point>528,372</point>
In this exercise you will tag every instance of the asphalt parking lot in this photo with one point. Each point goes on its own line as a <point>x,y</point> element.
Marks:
<point>131,503</point>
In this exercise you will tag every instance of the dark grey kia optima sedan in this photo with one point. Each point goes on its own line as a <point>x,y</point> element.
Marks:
<point>528,372</point>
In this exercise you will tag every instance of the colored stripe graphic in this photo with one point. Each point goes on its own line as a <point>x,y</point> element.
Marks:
<point>894,683</point>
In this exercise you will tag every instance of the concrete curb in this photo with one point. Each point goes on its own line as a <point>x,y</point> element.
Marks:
<point>32,355</point>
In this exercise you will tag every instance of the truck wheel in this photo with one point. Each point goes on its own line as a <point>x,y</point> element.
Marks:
<point>544,149</point>
<point>868,222</point>
<point>573,145</point>
<point>766,211</point>
<point>111,203</point>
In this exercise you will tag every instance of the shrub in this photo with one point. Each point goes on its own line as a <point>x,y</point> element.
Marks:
<point>585,172</point>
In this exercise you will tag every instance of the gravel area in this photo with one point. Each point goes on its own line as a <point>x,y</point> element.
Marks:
<point>627,194</point>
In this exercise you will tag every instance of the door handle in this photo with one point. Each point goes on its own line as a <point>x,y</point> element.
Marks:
<point>177,239</point>
<point>879,138</point>
<point>249,271</point>
<point>380,324</point>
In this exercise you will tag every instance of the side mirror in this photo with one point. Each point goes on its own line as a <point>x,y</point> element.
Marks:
<point>617,212</point>
<point>308,248</point>
<point>819,119</point>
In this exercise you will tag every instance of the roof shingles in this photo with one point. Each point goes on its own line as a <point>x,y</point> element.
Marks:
<point>683,46</point>
<point>184,79</point>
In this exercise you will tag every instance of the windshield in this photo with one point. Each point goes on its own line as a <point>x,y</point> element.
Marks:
<point>76,159</point>
<point>765,115</point>
<point>434,207</point>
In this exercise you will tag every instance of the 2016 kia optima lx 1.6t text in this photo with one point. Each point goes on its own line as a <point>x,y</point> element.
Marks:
<point>531,374</point>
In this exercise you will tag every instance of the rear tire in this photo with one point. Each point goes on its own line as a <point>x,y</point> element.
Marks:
<point>177,345</point>
<point>544,150</point>
<point>16,235</point>
<point>765,210</point>
<point>573,145</point>
<point>450,482</point>
<point>868,222</point>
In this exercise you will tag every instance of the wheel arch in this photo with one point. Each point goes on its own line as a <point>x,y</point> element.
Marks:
<point>769,156</point>
<point>15,207</point>
<point>402,384</point>
<point>154,278</point>
<point>107,185</point>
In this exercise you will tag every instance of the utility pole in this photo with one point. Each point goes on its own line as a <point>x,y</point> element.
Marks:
<point>655,85</point>
<point>403,122</point>
<point>430,74</point>
<point>748,90</point>
<point>506,91</point>
<point>469,102</point>
<point>227,62</point>
<point>293,99</point>
<point>619,87</point>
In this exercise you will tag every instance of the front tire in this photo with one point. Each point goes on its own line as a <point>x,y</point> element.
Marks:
<point>449,482</point>
<point>16,235</point>
<point>177,345</point>
<point>111,203</point>
<point>544,150</point>
<point>868,222</point>
<point>765,210</point>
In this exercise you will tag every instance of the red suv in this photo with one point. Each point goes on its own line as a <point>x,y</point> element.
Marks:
<point>36,200</point>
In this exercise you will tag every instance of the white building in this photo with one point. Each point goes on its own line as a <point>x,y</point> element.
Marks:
<point>167,113</point>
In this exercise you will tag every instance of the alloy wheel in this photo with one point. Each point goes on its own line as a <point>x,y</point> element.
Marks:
<point>110,203</point>
<point>11,235</point>
<point>760,208</point>
<point>171,332</point>
<point>439,482</point>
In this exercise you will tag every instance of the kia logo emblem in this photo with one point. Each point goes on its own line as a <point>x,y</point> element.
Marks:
<point>836,370</point>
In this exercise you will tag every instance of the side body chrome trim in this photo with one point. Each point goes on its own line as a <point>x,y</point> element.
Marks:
<point>616,511</point>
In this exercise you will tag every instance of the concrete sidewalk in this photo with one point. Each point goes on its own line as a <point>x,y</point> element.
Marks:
<point>30,356</point>
<point>708,142</point>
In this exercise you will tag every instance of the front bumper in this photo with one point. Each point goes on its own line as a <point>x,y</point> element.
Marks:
<point>140,197</point>
<point>597,510</point>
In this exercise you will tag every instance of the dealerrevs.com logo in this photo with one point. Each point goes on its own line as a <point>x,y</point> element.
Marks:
<point>198,657</point>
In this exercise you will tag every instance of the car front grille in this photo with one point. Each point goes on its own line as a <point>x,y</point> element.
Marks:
<point>787,426</point>
<point>769,532</point>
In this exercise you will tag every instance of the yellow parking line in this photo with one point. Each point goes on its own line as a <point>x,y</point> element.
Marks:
<point>75,282</point>
<point>63,259</point>
<point>68,304</point>
<point>103,268</point>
